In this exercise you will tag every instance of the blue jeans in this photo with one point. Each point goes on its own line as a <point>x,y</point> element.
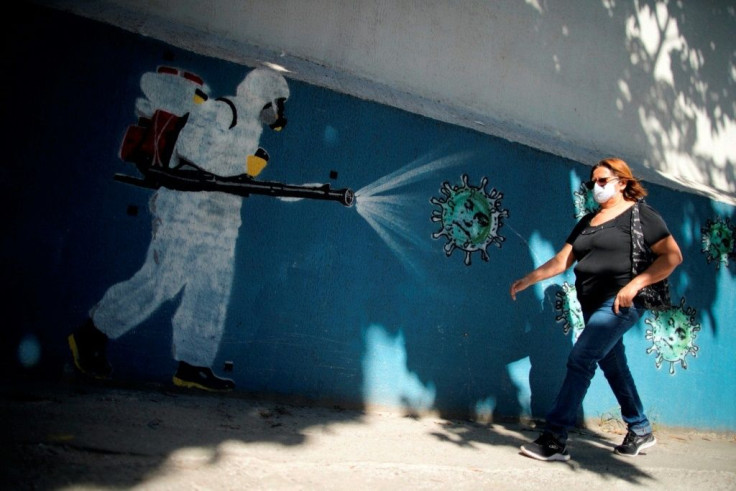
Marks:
<point>600,343</point>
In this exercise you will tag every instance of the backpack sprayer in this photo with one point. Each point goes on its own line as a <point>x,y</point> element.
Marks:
<point>149,146</point>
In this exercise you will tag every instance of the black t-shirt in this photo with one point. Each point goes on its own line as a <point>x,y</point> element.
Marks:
<point>603,253</point>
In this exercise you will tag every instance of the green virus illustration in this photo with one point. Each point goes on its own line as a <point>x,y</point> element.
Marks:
<point>584,202</point>
<point>569,312</point>
<point>719,241</point>
<point>673,334</point>
<point>470,218</point>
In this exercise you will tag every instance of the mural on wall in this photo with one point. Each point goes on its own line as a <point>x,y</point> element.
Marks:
<point>150,143</point>
<point>584,201</point>
<point>385,209</point>
<point>673,334</point>
<point>719,241</point>
<point>187,141</point>
<point>470,218</point>
<point>569,312</point>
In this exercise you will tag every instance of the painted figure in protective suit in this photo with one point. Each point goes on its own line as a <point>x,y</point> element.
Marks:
<point>192,249</point>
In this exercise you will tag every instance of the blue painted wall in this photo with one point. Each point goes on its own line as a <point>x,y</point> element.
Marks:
<point>323,305</point>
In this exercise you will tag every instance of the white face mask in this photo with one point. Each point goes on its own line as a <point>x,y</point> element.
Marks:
<point>601,194</point>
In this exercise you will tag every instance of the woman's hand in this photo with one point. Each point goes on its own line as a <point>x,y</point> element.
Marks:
<point>668,258</point>
<point>517,286</point>
<point>625,297</point>
<point>559,263</point>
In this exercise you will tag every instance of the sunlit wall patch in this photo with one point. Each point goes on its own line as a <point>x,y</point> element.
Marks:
<point>673,334</point>
<point>719,241</point>
<point>470,218</point>
<point>569,312</point>
<point>584,202</point>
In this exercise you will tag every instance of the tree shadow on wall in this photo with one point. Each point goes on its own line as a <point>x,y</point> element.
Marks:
<point>701,280</point>
<point>678,88</point>
<point>491,342</point>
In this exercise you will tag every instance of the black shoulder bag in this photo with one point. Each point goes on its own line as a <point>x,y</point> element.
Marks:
<point>657,295</point>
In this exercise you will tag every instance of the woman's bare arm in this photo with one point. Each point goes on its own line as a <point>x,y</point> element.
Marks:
<point>558,264</point>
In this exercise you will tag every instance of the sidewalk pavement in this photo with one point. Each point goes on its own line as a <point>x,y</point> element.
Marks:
<point>91,436</point>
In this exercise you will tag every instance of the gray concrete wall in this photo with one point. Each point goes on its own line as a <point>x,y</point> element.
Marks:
<point>650,81</point>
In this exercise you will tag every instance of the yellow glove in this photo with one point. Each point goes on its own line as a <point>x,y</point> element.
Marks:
<point>254,164</point>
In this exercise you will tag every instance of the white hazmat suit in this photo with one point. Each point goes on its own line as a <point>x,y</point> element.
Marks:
<point>192,249</point>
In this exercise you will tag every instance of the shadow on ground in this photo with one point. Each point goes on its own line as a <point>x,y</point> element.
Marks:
<point>82,434</point>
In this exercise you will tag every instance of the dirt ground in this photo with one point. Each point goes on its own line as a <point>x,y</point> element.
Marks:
<point>77,436</point>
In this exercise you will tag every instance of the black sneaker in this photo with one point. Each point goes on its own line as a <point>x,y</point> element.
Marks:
<point>89,345</point>
<point>546,447</point>
<point>193,377</point>
<point>633,444</point>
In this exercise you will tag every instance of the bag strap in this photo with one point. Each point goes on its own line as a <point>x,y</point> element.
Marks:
<point>640,256</point>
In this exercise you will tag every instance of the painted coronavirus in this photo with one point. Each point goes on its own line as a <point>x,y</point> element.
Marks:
<point>719,241</point>
<point>470,218</point>
<point>569,312</point>
<point>673,334</point>
<point>584,202</point>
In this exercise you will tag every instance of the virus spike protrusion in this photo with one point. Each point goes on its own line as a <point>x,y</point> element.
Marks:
<point>673,332</point>
<point>719,241</point>
<point>470,218</point>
